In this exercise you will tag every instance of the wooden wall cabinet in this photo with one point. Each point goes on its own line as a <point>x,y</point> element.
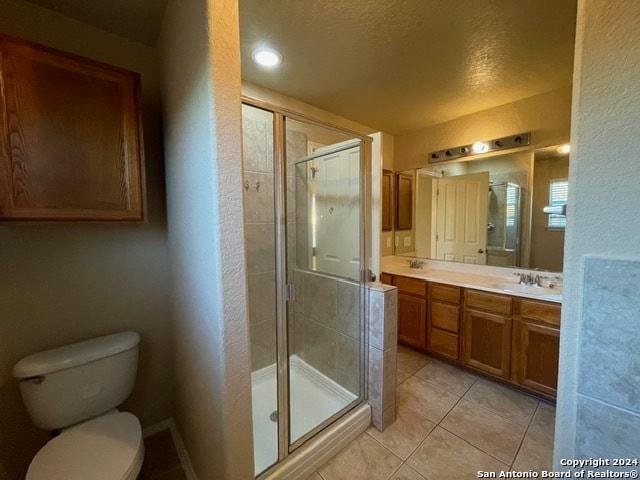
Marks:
<point>70,137</point>
<point>443,320</point>
<point>486,332</point>
<point>387,200</point>
<point>404,201</point>
<point>536,346</point>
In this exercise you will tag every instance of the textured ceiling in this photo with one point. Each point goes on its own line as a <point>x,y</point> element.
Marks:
<point>400,65</point>
<point>394,65</point>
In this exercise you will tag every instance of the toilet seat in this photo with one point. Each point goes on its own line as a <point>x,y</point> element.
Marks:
<point>109,447</point>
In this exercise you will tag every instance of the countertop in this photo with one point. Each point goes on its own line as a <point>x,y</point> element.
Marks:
<point>479,277</point>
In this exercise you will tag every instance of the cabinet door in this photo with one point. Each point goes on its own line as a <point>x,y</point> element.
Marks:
<point>70,137</point>
<point>387,200</point>
<point>537,350</point>
<point>486,342</point>
<point>412,313</point>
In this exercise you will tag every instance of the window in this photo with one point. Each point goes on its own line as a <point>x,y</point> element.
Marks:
<point>558,189</point>
<point>512,204</point>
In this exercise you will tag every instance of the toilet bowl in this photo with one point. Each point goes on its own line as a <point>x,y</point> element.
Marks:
<point>109,447</point>
<point>76,388</point>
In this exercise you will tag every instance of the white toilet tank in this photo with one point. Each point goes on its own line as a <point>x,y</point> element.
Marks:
<point>69,384</point>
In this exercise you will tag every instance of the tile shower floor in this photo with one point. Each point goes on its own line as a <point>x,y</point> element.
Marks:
<point>451,424</point>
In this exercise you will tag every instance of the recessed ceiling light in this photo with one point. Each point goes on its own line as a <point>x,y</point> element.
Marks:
<point>564,149</point>
<point>266,56</point>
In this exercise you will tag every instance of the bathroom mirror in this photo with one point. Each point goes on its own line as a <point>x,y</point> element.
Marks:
<point>489,210</point>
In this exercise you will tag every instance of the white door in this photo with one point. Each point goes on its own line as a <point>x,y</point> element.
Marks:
<point>335,214</point>
<point>461,223</point>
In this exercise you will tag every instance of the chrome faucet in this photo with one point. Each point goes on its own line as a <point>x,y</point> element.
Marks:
<point>529,279</point>
<point>415,263</point>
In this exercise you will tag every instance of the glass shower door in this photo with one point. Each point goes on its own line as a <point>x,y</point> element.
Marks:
<point>325,307</point>
<point>260,243</point>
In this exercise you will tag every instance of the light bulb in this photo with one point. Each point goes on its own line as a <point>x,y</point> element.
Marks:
<point>267,57</point>
<point>479,147</point>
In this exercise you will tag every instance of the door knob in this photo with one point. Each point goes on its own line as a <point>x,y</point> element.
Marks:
<point>480,250</point>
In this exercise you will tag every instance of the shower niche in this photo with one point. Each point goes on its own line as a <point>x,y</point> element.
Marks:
<point>303,218</point>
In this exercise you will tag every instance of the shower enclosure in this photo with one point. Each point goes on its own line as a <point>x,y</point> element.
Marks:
<point>304,239</point>
<point>503,236</point>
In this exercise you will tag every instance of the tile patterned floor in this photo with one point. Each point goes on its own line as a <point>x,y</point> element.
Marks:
<point>451,423</point>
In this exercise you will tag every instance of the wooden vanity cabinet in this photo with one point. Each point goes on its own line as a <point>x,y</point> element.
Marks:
<point>486,332</point>
<point>70,137</point>
<point>536,332</point>
<point>443,320</point>
<point>412,309</point>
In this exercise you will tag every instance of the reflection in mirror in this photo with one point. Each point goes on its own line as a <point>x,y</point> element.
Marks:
<point>404,201</point>
<point>490,211</point>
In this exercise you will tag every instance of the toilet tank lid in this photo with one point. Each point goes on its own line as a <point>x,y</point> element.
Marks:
<point>75,354</point>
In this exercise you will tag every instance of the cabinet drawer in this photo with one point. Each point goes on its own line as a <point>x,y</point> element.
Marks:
<point>444,343</point>
<point>543,312</point>
<point>490,302</point>
<point>446,317</point>
<point>411,285</point>
<point>445,293</point>
<point>386,278</point>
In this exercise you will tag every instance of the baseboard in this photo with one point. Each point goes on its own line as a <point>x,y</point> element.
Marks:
<point>170,424</point>
<point>311,456</point>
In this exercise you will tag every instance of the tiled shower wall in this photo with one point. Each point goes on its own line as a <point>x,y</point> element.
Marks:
<point>258,172</point>
<point>326,329</point>
<point>257,127</point>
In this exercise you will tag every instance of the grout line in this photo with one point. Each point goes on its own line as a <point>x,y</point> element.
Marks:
<point>525,434</point>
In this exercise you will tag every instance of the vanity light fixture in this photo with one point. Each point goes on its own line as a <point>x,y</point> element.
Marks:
<point>564,149</point>
<point>266,56</point>
<point>479,147</point>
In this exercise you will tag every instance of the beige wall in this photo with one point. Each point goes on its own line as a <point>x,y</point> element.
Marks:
<point>547,116</point>
<point>67,282</point>
<point>203,149</point>
<point>598,403</point>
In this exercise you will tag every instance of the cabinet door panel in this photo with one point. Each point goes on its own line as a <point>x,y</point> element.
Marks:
<point>410,285</point>
<point>445,293</point>
<point>411,320</point>
<point>537,357</point>
<point>486,342</point>
<point>445,317</point>
<point>444,343</point>
<point>69,136</point>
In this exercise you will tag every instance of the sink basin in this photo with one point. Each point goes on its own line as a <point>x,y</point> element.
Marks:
<point>550,293</point>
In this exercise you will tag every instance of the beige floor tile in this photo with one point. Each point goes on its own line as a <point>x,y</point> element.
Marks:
<point>363,459</point>
<point>534,454</point>
<point>543,423</point>
<point>405,434</point>
<point>502,400</point>
<point>430,401</point>
<point>407,473</point>
<point>314,476</point>
<point>486,430</point>
<point>408,362</point>
<point>443,456</point>
<point>450,378</point>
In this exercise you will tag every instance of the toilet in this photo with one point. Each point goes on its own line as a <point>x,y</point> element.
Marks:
<point>76,389</point>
